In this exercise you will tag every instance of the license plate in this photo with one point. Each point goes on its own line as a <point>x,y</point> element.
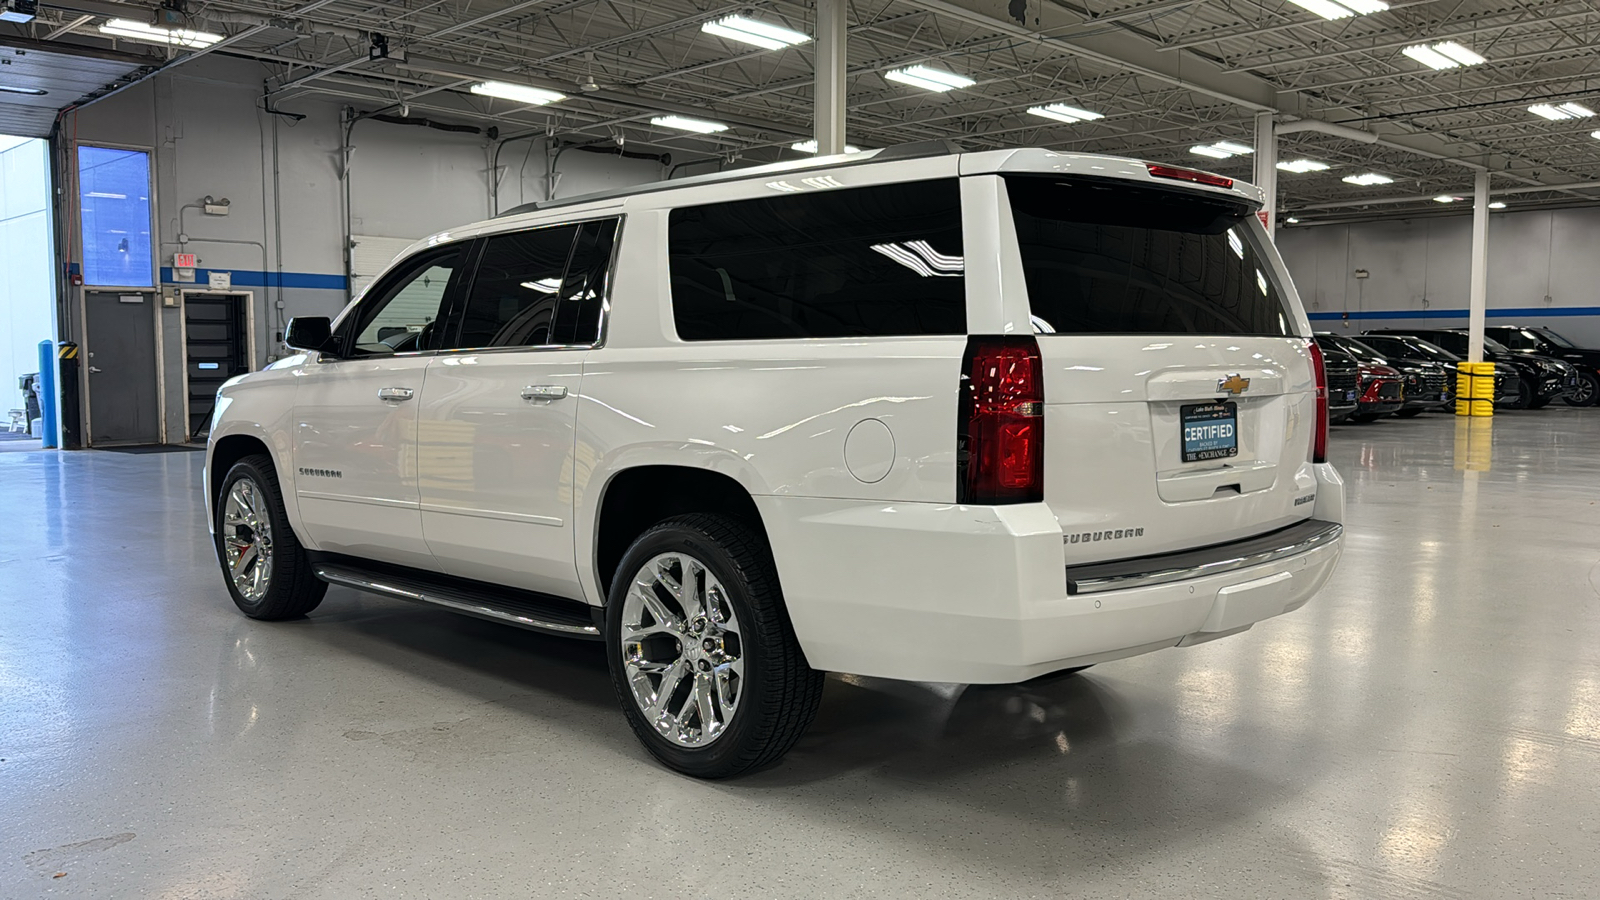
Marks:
<point>1350,396</point>
<point>1210,431</point>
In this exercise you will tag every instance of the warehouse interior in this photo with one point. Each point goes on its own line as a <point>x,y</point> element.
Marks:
<point>180,179</point>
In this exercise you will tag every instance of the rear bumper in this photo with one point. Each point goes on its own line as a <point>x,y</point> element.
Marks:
<point>979,595</point>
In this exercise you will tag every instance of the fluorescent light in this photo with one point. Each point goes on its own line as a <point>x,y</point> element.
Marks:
<point>1324,8</point>
<point>684,123</point>
<point>1445,198</point>
<point>13,89</point>
<point>1564,111</point>
<point>521,93</point>
<point>930,79</point>
<point>1235,148</point>
<point>1498,204</point>
<point>921,258</point>
<point>1593,134</point>
<point>1292,220</point>
<point>1064,113</point>
<point>811,147</point>
<point>544,285</point>
<point>19,11</point>
<point>1430,57</point>
<point>1235,244</point>
<point>1460,54</point>
<point>1210,151</point>
<point>1302,166</point>
<point>104,195</point>
<point>143,31</point>
<point>754,32</point>
<point>1368,179</point>
<point>1365,7</point>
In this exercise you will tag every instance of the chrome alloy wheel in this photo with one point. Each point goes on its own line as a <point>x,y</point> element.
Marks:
<point>1583,393</point>
<point>247,540</point>
<point>681,649</point>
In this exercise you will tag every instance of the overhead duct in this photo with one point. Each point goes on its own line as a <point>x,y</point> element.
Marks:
<point>1328,128</point>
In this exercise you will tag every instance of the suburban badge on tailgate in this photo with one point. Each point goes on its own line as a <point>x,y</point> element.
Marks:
<point>1115,534</point>
<point>1233,384</point>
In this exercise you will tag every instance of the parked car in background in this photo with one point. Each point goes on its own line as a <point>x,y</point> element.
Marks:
<point>1540,379</point>
<point>1405,347</point>
<point>1379,388</point>
<point>1343,376</point>
<point>1428,385</point>
<point>1545,342</point>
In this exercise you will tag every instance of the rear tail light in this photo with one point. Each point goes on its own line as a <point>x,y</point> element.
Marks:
<point>1319,439</point>
<point>1193,175</point>
<point>1000,431</point>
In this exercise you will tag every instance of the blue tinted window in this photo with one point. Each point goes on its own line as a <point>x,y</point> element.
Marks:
<point>114,197</point>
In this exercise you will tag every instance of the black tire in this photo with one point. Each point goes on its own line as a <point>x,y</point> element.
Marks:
<point>1409,413</point>
<point>779,692</point>
<point>1366,418</point>
<point>1587,392</point>
<point>1540,403</point>
<point>1524,398</point>
<point>292,590</point>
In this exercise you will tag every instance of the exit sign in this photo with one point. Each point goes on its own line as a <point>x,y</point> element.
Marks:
<point>183,260</point>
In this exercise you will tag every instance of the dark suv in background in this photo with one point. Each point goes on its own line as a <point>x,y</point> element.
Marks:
<point>1545,342</point>
<point>1427,384</point>
<point>1405,348</point>
<point>1541,379</point>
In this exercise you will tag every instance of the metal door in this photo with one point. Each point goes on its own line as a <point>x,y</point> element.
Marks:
<point>124,405</point>
<point>216,348</point>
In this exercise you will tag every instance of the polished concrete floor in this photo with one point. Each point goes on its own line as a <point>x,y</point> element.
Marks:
<point>1428,727</point>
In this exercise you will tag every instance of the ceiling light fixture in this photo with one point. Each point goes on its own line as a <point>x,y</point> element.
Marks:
<point>1561,112</point>
<point>1302,166</point>
<point>1222,150</point>
<point>811,147</point>
<point>754,32</point>
<point>930,79</point>
<point>1344,9</point>
<point>1445,198</point>
<point>149,34</point>
<point>1367,179</point>
<point>1064,113</point>
<point>1460,54</point>
<point>1292,220</point>
<point>10,89</point>
<point>684,123</point>
<point>520,93</point>
<point>1498,204</point>
<point>18,11</point>
<point>1448,55</point>
<point>1210,151</point>
<point>1593,134</point>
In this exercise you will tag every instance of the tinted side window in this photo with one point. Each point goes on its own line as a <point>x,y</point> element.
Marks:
<point>863,262</point>
<point>583,292</point>
<point>399,313</point>
<point>1102,256</point>
<point>516,290</point>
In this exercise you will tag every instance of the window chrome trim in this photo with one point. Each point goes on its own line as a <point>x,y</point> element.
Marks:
<point>1095,578</point>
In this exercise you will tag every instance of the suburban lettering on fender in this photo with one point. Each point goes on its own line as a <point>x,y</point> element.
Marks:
<point>1088,537</point>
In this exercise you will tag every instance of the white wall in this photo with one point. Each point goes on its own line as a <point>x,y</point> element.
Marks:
<point>1544,269</point>
<point>27,298</point>
<point>209,138</point>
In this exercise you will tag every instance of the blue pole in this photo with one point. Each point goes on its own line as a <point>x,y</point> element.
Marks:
<point>48,396</point>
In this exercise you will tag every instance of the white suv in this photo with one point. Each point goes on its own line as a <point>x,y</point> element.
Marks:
<point>945,417</point>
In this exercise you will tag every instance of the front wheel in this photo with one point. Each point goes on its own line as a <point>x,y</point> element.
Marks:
<point>1587,392</point>
<point>702,655</point>
<point>1524,398</point>
<point>266,570</point>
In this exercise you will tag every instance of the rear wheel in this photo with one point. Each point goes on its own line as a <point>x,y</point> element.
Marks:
<point>1587,392</point>
<point>703,657</point>
<point>266,570</point>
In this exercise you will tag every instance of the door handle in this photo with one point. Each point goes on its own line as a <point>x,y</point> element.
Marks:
<point>544,392</point>
<point>395,394</point>
<point>94,370</point>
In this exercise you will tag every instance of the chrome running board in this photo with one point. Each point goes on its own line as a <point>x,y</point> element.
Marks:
<point>1167,568</point>
<point>513,607</point>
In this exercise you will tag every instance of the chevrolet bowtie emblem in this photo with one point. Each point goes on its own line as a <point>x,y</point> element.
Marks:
<point>1233,384</point>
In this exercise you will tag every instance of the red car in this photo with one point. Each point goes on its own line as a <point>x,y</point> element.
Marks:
<point>1381,393</point>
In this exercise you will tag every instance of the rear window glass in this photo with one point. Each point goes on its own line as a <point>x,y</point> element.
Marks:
<point>818,262</point>
<point>1106,257</point>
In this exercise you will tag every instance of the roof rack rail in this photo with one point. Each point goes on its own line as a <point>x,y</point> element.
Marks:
<point>912,150</point>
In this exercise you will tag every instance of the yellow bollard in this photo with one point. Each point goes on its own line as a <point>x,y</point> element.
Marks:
<point>1474,389</point>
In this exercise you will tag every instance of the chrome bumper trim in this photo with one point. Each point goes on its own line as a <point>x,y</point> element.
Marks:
<point>1096,578</point>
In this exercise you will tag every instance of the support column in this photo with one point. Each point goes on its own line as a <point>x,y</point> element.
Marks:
<point>1478,298</point>
<point>830,76</point>
<point>1266,173</point>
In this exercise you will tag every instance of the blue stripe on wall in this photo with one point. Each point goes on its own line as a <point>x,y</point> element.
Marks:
<point>247,278</point>
<point>1527,312</point>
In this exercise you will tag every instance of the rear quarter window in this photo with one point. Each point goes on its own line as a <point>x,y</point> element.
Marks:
<point>1102,256</point>
<point>817,262</point>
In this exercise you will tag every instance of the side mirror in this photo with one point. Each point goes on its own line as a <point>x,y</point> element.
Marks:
<point>309,333</point>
